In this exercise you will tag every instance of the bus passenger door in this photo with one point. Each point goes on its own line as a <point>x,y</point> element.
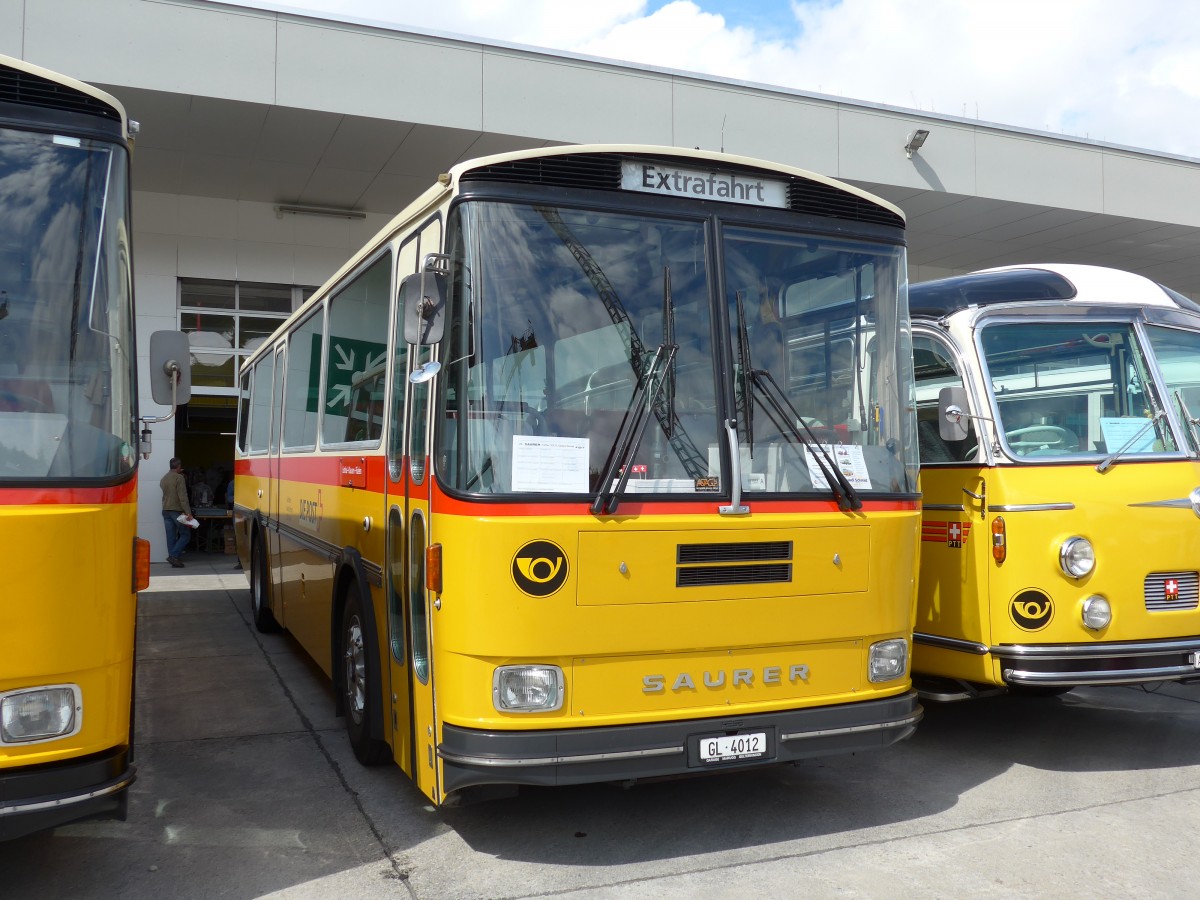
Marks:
<point>419,617</point>
<point>271,502</point>
<point>410,633</point>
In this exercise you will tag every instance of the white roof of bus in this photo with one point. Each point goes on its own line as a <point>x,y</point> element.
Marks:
<point>1100,284</point>
<point>728,159</point>
<point>80,86</point>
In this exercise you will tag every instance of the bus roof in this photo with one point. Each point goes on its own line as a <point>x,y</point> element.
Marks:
<point>25,83</point>
<point>492,168</point>
<point>1053,282</point>
<point>504,163</point>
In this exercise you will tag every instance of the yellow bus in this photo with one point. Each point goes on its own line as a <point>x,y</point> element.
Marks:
<point>1060,457</point>
<point>68,453</point>
<point>556,480</point>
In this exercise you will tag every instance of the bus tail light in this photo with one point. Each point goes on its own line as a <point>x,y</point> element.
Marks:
<point>40,714</point>
<point>141,564</point>
<point>527,688</point>
<point>999,540</point>
<point>433,568</point>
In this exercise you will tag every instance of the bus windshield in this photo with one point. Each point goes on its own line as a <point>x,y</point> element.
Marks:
<point>66,372</point>
<point>559,314</point>
<point>1074,389</point>
<point>1177,351</point>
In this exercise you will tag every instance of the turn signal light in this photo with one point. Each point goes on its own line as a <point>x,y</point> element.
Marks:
<point>433,568</point>
<point>141,564</point>
<point>999,540</point>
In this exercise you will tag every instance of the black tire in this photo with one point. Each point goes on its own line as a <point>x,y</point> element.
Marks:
<point>357,674</point>
<point>260,590</point>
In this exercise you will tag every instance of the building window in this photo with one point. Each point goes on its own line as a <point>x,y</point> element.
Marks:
<point>226,320</point>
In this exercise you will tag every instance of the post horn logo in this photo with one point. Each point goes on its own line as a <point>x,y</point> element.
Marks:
<point>540,568</point>
<point>1031,610</point>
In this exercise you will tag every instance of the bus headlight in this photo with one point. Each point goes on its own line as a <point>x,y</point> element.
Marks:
<point>1096,613</point>
<point>887,660</point>
<point>1077,557</point>
<point>527,688</point>
<point>40,714</point>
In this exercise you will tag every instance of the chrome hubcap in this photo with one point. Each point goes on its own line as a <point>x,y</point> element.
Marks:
<point>355,662</point>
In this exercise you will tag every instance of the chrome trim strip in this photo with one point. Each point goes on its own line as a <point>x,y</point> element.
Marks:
<point>945,507</point>
<point>1088,651</point>
<point>856,729</point>
<point>1117,676</point>
<point>1032,507</point>
<point>374,572</point>
<point>946,643</point>
<point>20,808</point>
<point>332,552</point>
<point>494,762</point>
<point>1181,503</point>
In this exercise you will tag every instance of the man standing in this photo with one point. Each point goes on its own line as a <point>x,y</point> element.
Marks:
<point>174,504</point>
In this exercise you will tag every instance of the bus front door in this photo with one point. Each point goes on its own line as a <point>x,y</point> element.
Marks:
<point>415,726</point>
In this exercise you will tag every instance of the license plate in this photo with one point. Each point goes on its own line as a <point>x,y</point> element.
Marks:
<point>734,746</point>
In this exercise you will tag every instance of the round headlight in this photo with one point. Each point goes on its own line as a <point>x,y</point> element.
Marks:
<point>1096,613</point>
<point>1077,557</point>
<point>1194,497</point>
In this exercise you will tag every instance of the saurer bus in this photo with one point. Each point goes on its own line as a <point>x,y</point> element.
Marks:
<point>556,481</point>
<point>68,453</point>
<point>1060,454</point>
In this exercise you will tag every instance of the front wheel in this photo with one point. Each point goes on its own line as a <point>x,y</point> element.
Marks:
<point>357,676</point>
<point>260,590</point>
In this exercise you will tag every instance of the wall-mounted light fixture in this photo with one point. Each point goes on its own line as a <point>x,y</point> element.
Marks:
<point>915,141</point>
<point>299,210</point>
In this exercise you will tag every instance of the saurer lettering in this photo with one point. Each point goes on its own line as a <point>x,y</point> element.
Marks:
<point>686,681</point>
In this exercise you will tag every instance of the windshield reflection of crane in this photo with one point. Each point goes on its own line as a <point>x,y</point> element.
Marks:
<point>685,449</point>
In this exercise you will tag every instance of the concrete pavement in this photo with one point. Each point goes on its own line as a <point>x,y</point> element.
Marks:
<point>248,788</point>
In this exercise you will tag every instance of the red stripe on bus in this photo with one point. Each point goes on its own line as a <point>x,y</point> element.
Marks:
<point>125,492</point>
<point>326,470</point>
<point>319,470</point>
<point>455,506</point>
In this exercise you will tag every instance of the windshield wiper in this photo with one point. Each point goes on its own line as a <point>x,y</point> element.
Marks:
<point>1160,412</point>
<point>1109,461</point>
<point>1191,421</point>
<point>777,407</point>
<point>633,425</point>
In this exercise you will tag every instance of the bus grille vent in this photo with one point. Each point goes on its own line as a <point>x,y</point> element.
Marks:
<point>602,172</point>
<point>1172,590</point>
<point>725,553</point>
<point>818,199</point>
<point>703,576</point>
<point>762,562</point>
<point>17,86</point>
<point>596,171</point>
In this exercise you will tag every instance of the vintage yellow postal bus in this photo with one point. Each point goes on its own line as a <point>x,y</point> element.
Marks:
<point>1060,460</point>
<point>68,453</point>
<point>559,478</point>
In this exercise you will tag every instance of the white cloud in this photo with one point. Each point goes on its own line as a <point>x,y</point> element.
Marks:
<point>1112,70</point>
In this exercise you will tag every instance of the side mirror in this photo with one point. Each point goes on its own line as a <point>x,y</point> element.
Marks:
<point>423,297</point>
<point>953,417</point>
<point>170,368</point>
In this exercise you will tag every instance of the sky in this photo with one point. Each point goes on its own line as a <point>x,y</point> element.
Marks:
<point>1119,71</point>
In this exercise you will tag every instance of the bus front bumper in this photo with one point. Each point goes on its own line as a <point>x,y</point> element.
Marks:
<point>631,752</point>
<point>1129,662</point>
<point>39,797</point>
